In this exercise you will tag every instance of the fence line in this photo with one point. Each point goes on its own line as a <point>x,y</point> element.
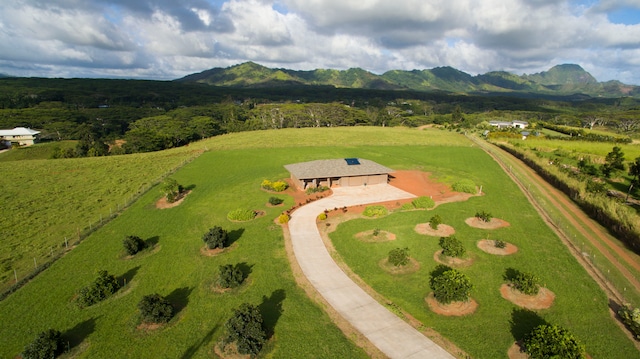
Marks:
<point>45,260</point>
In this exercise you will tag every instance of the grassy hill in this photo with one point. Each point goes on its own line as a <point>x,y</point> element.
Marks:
<point>225,177</point>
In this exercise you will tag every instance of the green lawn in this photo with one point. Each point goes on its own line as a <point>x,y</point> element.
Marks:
<point>39,151</point>
<point>227,177</point>
<point>497,323</point>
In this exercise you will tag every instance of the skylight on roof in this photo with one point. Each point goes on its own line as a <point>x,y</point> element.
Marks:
<point>352,161</point>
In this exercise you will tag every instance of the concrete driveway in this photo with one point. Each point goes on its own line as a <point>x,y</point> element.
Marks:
<point>393,336</point>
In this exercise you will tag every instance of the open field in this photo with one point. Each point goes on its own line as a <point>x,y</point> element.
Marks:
<point>39,151</point>
<point>227,177</point>
<point>631,151</point>
<point>579,301</point>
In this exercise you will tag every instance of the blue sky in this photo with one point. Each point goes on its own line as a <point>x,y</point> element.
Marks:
<point>167,39</point>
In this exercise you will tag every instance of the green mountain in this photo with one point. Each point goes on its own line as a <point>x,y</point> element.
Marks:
<point>561,80</point>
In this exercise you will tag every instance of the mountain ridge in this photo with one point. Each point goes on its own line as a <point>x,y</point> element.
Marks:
<point>563,79</point>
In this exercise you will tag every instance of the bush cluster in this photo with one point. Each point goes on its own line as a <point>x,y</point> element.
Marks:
<point>399,256</point>
<point>216,237</point>
<point>154,308</point>
<point>423,202</point>
<point>452,247</point>
<point>283,218</point>
<point>241,215</point>
<point>499,244</point>
<point>230,276</point>
<point>375,211</point>
<point>101,288</point>
<point>435,221</point>
<point>484,216</point>
<point>133,244</point>
<point>631,318</point>
<point>450,285</point>
<point>246,330</point>
<point>322,216</point>
<point>47,344</point>
<point>317,189</point>
<point>274,201</point>
<point>526,283</point>
<point>552,341</point>
<point>464,185</point>
<point>277,186</point>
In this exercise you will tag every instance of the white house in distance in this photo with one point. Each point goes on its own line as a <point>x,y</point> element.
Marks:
<point>20,135</point>
<point>509,124</point>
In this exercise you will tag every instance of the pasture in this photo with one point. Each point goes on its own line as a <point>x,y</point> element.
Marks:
<point>228,176</point>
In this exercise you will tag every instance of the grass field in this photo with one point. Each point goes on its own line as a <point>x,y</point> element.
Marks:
<point>579,302</point>
<point>39,151</point>
<point>631,151</point>
<point>227,177</point>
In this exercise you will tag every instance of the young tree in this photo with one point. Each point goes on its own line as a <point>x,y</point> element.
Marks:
<point>216,238</point>
<point>245,329</point>
<point>552,341</point>
<point>230,276</point>
<point>450,285</point>
<point>133,244</point>
<point>434,222</point>
<point>154,308</point>
<point>399,256</point>
<point>526,283</point>
<point>614,161</point>
<point>46,345</point>
<point>171,189</point>
<point>101,288</point>
<point>452,247</point>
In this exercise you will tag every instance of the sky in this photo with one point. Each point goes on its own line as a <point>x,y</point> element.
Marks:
<point>168,39</point>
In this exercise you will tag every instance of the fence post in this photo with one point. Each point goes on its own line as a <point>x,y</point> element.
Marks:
<point>35,264</point>
<point>15,275</point>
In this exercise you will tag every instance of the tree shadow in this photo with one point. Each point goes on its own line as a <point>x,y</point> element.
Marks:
<point>271,310</point>
<point>523,321</point>
<point>438,270</point>
<point>128,276</point>
<point>76,335</point>
<point>192,350</point>
<point>179,298</point>
<point>234,235</point>
<point>152,241</point>
<point>189,187</point>
<point>245,269</point>
<point>510,274</point>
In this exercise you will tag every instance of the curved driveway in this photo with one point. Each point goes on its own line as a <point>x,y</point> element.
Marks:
<point>393,336</point>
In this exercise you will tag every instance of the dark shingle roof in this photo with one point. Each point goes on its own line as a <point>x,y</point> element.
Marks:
<point>335,168</point>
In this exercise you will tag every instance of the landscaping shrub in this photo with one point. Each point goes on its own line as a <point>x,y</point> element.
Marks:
<point>46,345</point>
<point>407,206</point>
<point>283,218</point>
<point>101,288</point>
<point>423,202</point>
<point>318,189</point>
<point>133,244</point>
<point>452,247</point>
<point>631,318</point>
<point>435,221</point>
<point>241,215</point>
<point>484,216</point>
<point>465,185</point>
<point>322,216</point>
<point>450,285</point>
<point>399,256</point>
<point>552,341</point>
<point>376,232</point>
<point>171,189</point>
<point>245,329</point>
<point>277,186</point>
<point>499,244</point>
<point>526,283</point>
<point>216,237</point>
<point>274,201</point>
<point>375,211</point>
<point>230,276</point>
<point>154,308</point>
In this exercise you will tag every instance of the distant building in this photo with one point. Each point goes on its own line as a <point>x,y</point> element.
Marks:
<point>509,124</point>
<point>344,172</point>
<point>20,135</point>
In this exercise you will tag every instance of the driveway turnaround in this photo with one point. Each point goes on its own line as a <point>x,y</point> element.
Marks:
<point>393,336</point>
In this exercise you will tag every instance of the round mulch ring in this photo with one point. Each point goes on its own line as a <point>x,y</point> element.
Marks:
<point>383,236</point>
<point>454,309</point>
<point>162,203</point>
<point>515,352</point>
<point>543,300</point>
<point>212,252</point>
<point>451,261</point>
<point>410,267</point>
<point>494,223</point>
<point>442,231</point>
<point>489,246</point>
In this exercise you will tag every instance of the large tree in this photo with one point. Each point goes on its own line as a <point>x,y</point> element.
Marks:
<point>245,329</point>
<point>614,161</point>
<point>552,341</point>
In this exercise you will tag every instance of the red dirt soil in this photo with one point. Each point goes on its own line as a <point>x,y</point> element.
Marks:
<point>162,203</point>
<point>494,223</point>
<point>442,231</point>
<point>454,309</point>
<point>488,246</point>
<point>543,300</point>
